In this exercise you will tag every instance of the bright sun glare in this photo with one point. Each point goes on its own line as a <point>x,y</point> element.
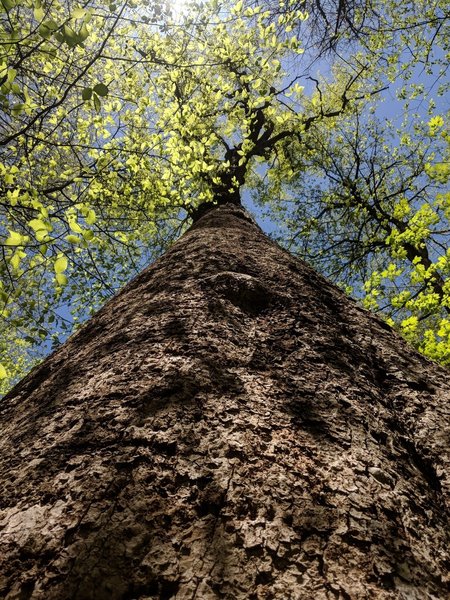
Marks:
<point>179,7</point>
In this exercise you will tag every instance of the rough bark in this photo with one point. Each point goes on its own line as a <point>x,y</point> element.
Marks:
<point>229,426</point>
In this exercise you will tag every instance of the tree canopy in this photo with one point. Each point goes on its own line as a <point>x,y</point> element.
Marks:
<point>119,120</point>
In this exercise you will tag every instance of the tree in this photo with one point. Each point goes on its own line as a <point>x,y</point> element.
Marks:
<point>368,205</point>
<point>230,425</point>
<point>50,53</point>
<point>375,219</point>
<point>139,135</point>
<point>128,119</point>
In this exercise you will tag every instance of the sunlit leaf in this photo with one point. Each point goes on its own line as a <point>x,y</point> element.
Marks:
<point>61,264</point>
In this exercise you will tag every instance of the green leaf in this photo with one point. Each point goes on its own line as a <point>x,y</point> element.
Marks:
<point>11,75</point>
<point>61,278</point>
<point>61,264</point>
<point>3,372</point>
<point>86,94</point>
<point>73,239</point>
<point>88,235</point>
<point>38,13</point>
<point>74,226</point>
<point>17,109</point>
<point>14,239</point>
<point>101,89</point>
<point>15,261</point>
<point>42,235</point>
<point>37,225</point>
<point>83,33</point>
<point>70,36</point>
<point>47,28</point>
<point>8,4</point>
<point>97,103</point>
<point>78,13</point>
<point>44,31</point>
<point>91,217</point>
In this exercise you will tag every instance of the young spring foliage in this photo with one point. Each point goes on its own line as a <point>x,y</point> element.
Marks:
<point>368,203</point>
<point>414,287</point>
<point>118,120</point>
<point>115,125</point>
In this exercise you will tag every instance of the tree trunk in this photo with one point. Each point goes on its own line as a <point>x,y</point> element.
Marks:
<point>229,426</point>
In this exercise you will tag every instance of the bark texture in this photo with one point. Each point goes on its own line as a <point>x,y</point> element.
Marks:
<point>229,426</point>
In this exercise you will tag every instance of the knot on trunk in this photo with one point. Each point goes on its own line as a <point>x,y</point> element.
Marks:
<point>244,291</point>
